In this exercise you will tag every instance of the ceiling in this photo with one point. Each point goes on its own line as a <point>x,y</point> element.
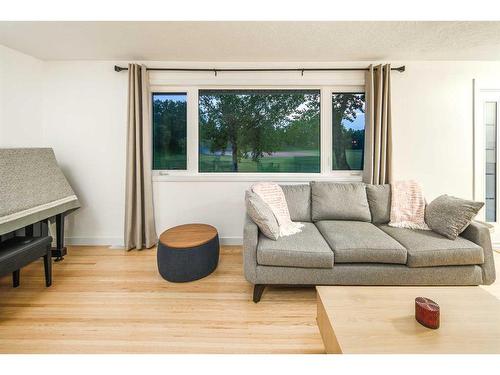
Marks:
<point>254,41</point>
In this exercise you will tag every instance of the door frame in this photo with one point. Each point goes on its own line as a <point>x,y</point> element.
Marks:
<point>482,91</point>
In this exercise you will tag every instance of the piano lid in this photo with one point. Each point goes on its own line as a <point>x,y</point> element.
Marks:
<point>32,188</point>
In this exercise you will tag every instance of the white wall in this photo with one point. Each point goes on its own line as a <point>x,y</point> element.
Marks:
<point>84,119</point>
<point>432,108</point>
<point>217,203</point>
<point>20,99</point>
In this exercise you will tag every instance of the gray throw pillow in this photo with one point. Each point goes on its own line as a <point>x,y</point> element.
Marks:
<point>339,201</point>
<point>379,200</point>
<point>449,216</point>
<point>262,215</point>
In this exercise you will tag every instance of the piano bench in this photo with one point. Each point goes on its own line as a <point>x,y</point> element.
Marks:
<point>18,252</point>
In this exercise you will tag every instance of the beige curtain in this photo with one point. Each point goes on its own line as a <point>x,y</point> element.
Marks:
<point>139,216</point>
<point>378,138</point>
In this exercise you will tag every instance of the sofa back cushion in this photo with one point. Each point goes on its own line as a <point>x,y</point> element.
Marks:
<point>379,200</point>
<point>339,201</point>
<point>298,199</point>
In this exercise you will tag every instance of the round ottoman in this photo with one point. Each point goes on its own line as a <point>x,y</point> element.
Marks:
<point>188,252</point>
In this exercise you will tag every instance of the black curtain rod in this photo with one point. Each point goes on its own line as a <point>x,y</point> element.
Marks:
<point>400,69</point>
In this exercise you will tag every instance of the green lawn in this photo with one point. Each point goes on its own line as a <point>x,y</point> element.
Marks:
<point>290,164</point>
<point>277,164</point>
<point>172,162</point>
<point>354,159</point>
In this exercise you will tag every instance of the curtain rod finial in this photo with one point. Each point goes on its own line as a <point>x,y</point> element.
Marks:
<point>119,68</point>
<point>401,69</point>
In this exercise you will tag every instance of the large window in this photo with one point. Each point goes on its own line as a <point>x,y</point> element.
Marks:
<point>348,131</point>
<point>169,130</point>
<point>218,132</point>
<point>275,131</point>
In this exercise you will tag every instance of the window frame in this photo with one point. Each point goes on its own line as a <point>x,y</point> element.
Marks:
<point>484,91</point>
<point>192,173</point>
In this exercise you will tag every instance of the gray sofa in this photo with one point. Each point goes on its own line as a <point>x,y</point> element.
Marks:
<point>346,241</point>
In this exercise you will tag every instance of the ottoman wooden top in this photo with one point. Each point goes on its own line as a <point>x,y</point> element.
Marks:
<point>188,235</point>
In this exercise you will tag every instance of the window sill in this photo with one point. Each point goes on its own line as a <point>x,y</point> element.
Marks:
<point>346,176</point>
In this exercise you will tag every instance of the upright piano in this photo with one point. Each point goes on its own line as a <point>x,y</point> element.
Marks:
<point>33,193</point>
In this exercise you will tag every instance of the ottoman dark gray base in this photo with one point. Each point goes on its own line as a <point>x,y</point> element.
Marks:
<point>188,252</point>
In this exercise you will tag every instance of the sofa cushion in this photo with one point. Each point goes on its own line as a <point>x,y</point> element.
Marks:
<point>298,199</point>
<point>307,249</point>
<point>427,248</point>
<point>360,242</point>
<point>339,201</point>
<point>379,200</point>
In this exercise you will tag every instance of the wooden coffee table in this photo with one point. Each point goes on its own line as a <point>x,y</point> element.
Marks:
<point>354,319</point>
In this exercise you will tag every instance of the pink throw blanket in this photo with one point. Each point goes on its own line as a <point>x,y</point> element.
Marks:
<point>407,205</point>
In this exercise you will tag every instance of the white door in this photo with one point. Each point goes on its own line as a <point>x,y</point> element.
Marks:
<point>487,155</point>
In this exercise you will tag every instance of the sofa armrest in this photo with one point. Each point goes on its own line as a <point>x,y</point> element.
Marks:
<point>479,233</point>
<point>250,240</point>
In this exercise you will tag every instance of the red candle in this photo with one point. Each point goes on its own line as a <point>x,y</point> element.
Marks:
<point>427,312</point>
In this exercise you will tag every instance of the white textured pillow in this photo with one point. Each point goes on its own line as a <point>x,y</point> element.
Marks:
<point>262,215</point>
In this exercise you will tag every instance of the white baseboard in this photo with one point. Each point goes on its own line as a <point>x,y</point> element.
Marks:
<point>117,242</point>
<point>231,241</point>
<point>95,241</point>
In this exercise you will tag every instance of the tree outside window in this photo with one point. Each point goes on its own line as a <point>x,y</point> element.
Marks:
<point>259,131</point>
<point>348,131</point>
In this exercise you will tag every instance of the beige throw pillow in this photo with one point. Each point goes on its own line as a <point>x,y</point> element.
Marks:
<point>262,215</point>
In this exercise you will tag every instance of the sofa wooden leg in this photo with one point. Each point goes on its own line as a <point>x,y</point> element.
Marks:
<point>258,289</point>
<point>15,278</point>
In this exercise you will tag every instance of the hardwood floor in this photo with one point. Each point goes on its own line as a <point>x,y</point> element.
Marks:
<point>110,301</point>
